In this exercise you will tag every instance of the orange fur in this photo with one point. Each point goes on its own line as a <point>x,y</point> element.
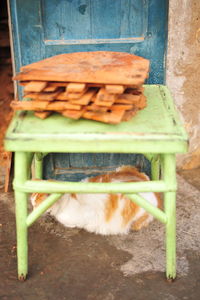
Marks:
<point>39,198</point>
<point>140,222</point>
<point>158,196</point>
<point>111,206</point>
<point>129,210</point>
<point>74,196</point>
<point>125,173</point>
<point>116,204</point>
<point>100,178</point>
<point>132,172</point>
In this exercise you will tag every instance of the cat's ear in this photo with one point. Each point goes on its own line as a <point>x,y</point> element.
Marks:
<point>37,198</point>
<point>33,198</point>
<point>129,169</point>
<point>132,171</point>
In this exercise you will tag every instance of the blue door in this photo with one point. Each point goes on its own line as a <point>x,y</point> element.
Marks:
<point>43,28</point>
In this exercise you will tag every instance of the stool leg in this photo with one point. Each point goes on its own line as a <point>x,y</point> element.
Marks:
<point>21,174</point>
<point>170,210</point>
<point>38,165</point>
<point>155,167</point>
<point>169,176</point>
<point>22,234</point>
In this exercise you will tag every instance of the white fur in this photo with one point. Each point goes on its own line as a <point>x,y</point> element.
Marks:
<point>88,211</point>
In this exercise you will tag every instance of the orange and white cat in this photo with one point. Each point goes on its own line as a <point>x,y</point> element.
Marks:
<point>103,213</point>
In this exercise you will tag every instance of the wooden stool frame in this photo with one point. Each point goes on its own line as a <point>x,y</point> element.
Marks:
<point>159,145</point>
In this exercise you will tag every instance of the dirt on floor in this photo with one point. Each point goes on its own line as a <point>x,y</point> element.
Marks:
<point>74,264</point>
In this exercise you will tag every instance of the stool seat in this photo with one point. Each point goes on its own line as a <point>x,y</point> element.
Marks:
<point>156,129</point>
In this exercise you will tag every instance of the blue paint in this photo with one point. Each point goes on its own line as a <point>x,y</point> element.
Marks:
<point>88,19</point>
<point>82,9</point>
<point>77,166</point>
<point>94,41</point>
<point>43,28</point>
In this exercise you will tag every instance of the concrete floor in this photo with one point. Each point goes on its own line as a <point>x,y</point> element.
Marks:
<point>74,264</point>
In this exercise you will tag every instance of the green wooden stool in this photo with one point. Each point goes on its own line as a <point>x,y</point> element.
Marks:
<point>155,132</point>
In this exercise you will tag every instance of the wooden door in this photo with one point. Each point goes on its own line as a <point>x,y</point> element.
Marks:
<point>43,28</point>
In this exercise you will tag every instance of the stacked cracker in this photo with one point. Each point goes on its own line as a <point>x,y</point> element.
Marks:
<point>101,86</point>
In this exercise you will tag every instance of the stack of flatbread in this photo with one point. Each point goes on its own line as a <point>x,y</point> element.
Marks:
<point>102,86</point>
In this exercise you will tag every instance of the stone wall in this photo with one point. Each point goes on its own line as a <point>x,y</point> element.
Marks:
<point>183,71</point>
